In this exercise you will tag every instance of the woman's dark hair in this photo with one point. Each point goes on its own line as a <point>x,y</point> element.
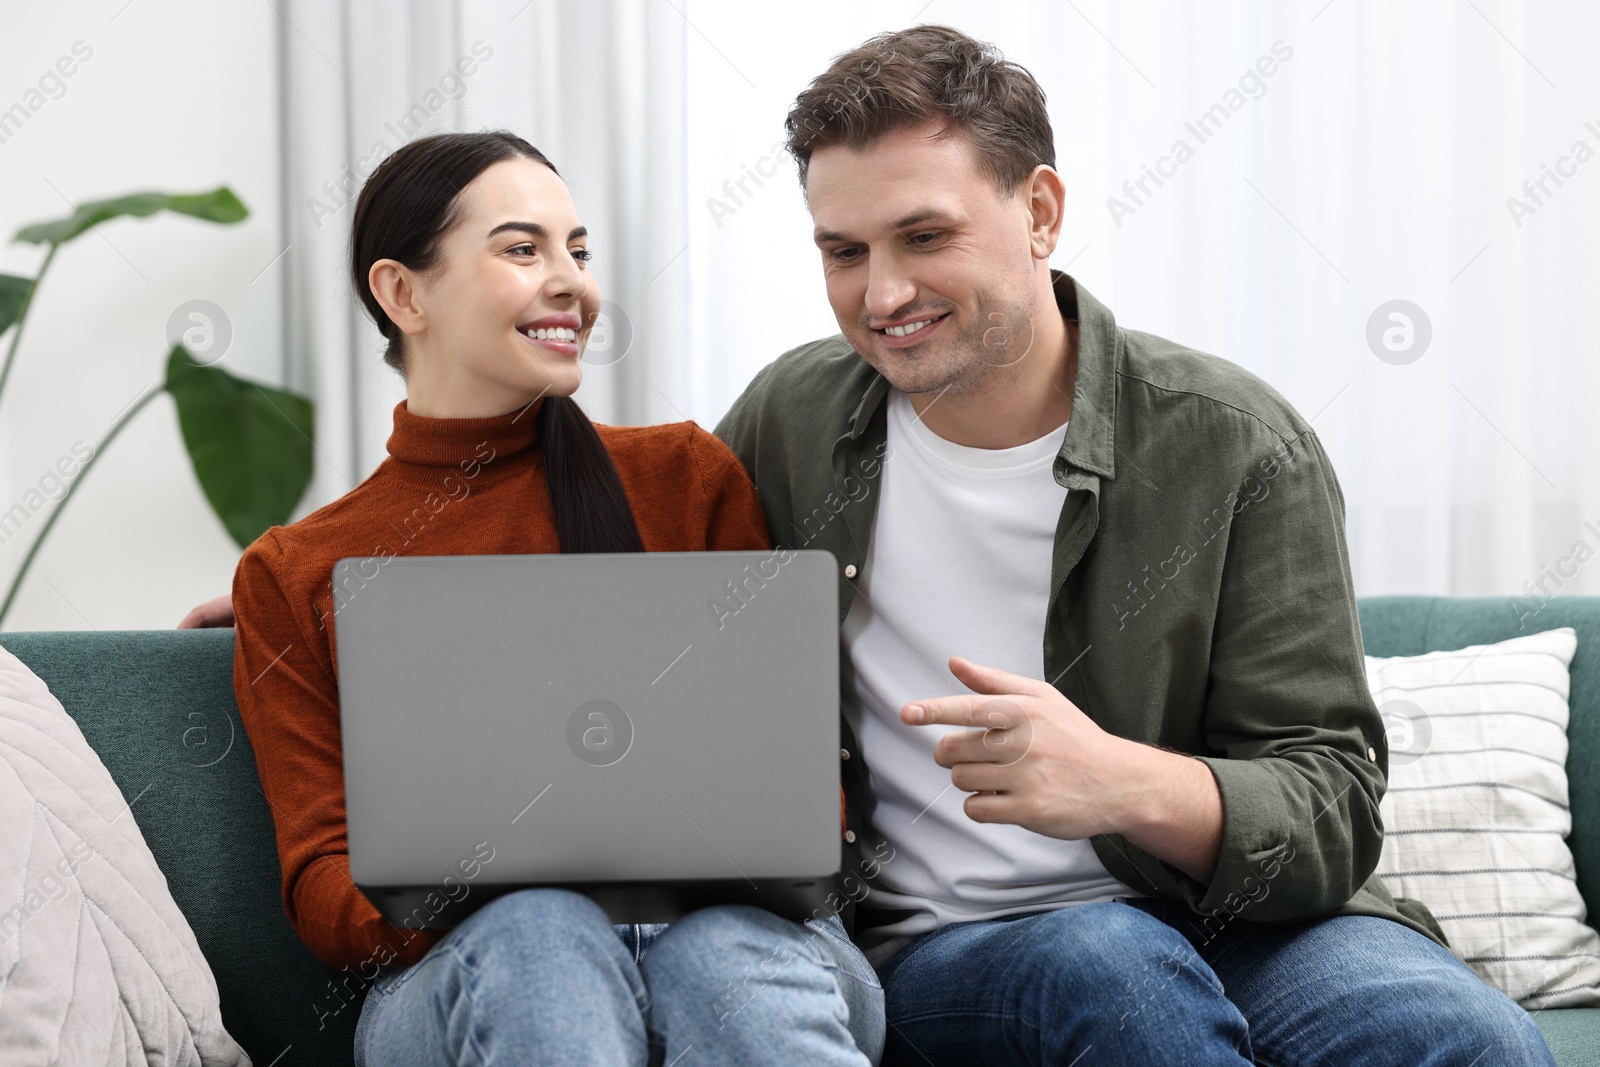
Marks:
<point>405,208</point>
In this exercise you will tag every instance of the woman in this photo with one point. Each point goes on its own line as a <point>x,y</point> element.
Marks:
<point>468,254</point>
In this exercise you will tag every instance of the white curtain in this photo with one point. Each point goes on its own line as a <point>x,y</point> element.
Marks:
<point>1375,162</point>
<point>597,86</point>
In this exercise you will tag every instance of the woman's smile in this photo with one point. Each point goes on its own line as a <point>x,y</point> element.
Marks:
<point>555,333</point>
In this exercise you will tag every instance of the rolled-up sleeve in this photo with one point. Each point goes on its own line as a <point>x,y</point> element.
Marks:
<point>1302,765</point>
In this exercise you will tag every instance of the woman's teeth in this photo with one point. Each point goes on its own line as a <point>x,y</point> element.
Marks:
<point>910,327</point>
<point>557,333</point>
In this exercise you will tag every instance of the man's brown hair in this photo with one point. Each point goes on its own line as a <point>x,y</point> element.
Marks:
<point>902,79</point>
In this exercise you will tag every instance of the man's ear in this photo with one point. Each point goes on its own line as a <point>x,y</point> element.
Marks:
<point>394,286</point>
<point>1046,197</point>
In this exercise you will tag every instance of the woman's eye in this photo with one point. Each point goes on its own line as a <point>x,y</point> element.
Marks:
<point>522,250</point>
<point>582,255</point>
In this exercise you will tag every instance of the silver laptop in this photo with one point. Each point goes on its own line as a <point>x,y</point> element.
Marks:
<point>659,731</point>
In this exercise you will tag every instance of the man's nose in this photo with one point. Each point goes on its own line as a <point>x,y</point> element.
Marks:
<point>889,287</point>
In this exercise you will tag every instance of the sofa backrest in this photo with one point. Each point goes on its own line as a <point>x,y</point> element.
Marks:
<point>1412,625</point>
<point>158,707</point>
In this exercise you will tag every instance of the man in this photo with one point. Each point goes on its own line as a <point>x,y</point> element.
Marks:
<point>1130,557</point>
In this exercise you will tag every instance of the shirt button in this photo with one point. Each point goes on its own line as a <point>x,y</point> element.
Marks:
<point>850,570</point>
<point>844,753</point>
<point>1372,754</point>
<point>850,836</point>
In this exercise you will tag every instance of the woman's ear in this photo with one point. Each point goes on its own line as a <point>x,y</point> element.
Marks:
<point>394,286</point>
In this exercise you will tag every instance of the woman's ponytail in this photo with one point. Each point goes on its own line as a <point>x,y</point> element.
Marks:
<point>591,509</point>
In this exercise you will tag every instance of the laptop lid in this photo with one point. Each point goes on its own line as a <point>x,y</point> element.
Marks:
<point>659,730</point>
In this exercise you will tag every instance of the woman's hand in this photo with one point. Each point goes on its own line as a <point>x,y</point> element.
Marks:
<point>215,612</point>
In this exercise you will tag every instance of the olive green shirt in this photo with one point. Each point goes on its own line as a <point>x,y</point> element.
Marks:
<point>1200,600</point>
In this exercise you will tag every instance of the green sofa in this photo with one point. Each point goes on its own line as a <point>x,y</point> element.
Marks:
<point>158,707</point>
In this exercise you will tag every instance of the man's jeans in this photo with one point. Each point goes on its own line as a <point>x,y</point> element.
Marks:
<point>1141,981</point>
<point>542,977</point>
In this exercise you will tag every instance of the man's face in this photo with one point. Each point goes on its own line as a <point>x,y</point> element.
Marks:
<point>913,234</point>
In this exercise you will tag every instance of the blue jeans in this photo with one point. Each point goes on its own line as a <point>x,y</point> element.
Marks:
<point>542,977</point>
<point>1141,981</point>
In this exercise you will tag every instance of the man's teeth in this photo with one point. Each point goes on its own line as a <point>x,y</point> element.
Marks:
<point>910,327</point>
<point>558,333</point>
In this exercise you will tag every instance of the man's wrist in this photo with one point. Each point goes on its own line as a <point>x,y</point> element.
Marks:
<point>1144,780</point>
<point>1169,805</point>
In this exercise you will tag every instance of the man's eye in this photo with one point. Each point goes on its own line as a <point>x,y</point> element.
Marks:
<point>844,255</point>
<point>931,236</point>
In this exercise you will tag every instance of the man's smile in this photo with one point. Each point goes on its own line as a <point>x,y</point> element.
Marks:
<point>909,332</point>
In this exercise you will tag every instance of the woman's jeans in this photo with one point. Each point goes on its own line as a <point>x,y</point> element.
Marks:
<point>1144,981</point>
<point>542,977</point>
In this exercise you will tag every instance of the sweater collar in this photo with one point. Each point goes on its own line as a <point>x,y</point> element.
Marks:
<point>426,449</point>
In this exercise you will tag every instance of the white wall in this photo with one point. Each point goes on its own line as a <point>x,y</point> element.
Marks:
<point>178,95</point>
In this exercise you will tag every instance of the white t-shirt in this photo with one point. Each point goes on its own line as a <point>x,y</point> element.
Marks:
<point>959,564</point>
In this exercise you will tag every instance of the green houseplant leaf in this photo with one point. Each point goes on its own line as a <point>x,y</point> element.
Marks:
<point>250,444</point>
<point>14,292</point>
<point>219,205</point>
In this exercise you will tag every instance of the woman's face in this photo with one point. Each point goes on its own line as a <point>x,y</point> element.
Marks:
<point>509,308</point>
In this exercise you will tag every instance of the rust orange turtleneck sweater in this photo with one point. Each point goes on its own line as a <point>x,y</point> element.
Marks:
<point>448,487</point>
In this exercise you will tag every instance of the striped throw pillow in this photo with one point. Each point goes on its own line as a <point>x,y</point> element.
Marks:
<point>1476,814</point>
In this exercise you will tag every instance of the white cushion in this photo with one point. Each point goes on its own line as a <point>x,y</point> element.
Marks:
<point>1476,815</point>
<point>97,964</point>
